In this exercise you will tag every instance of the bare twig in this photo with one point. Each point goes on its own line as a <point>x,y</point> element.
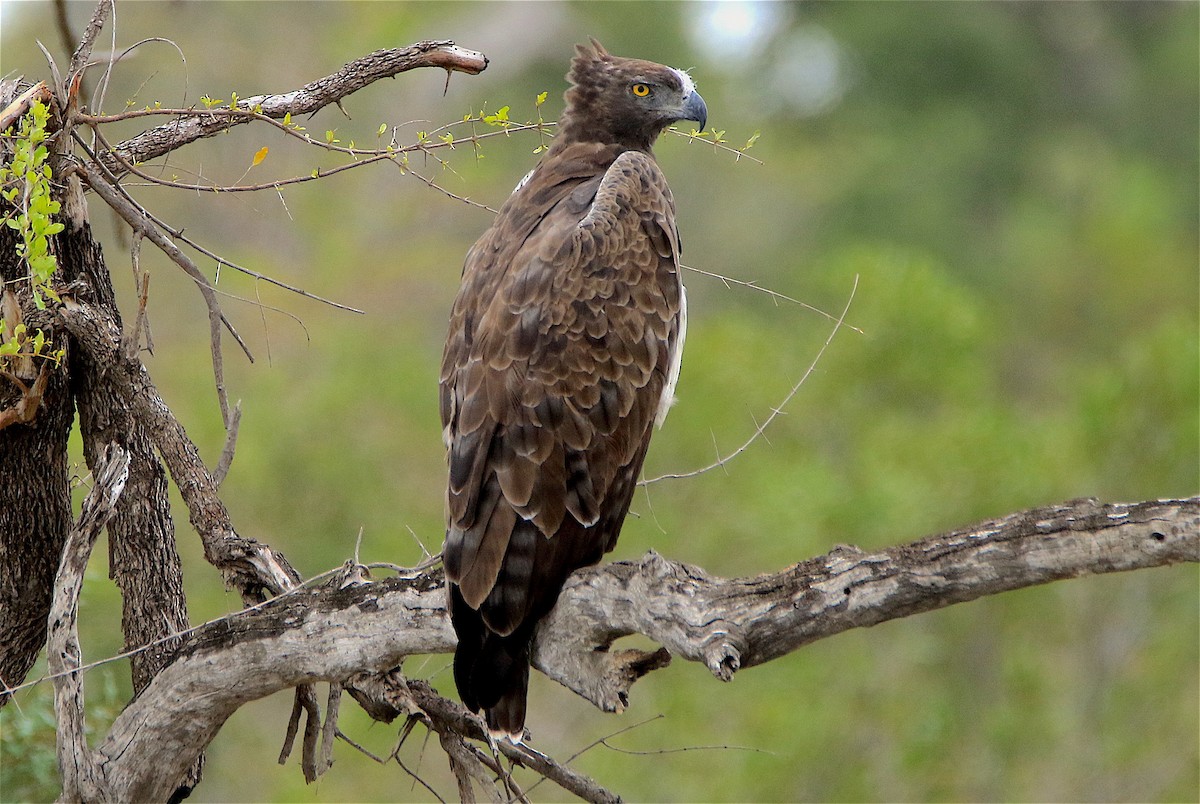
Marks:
<point>760,429</point>
<point>83,53</point>
<point>329,730</point>
<point>227,452</point>
<point>361,156</point>
<point>139,222</point>
<point>141,322</point>
<point>177,234</point>
<point>448,715</point>
<point>729,281</point>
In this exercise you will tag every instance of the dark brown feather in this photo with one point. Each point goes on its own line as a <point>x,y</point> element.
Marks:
<point>554,368</point>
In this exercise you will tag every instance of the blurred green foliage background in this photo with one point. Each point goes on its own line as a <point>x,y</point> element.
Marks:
<point>1015,187</point>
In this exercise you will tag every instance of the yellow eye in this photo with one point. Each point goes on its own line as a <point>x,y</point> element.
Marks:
<point>641,90</point>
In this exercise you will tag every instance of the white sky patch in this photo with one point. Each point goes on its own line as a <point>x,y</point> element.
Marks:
<point>799,67</point>
<point>737,30</point>
<point>809,73</point>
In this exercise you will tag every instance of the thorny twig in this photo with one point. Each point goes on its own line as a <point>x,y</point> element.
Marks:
<point>138,221</point>
<point>308,99</point>
<point>177,234</point>
<point>760,429</point>
<point>776,296</point>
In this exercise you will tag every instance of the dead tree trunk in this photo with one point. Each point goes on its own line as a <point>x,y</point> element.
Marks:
<point>35,500</point>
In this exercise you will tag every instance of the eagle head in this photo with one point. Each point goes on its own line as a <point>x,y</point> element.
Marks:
<point>625,101</point>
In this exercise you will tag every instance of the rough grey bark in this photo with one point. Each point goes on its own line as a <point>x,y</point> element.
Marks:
<point>35,508</point>
<point>143,559</point>
<point>82,778</point>
<point>336,634</point>
<point>35,495</point>
<point>729,624</point>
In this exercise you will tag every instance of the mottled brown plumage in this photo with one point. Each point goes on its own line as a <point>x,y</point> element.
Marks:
<point>563,351</point>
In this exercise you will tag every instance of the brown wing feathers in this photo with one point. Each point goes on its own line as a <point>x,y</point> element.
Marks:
<point>554,367</point>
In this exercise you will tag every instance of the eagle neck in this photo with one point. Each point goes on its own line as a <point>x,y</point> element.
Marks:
<point>603,150</point>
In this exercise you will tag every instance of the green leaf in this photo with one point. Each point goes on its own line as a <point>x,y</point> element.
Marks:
<point>500,118</point>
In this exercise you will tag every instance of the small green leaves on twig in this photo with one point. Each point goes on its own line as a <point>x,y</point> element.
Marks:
<point>26,187</point>
<point>717,138</point>
<point>500,118</point>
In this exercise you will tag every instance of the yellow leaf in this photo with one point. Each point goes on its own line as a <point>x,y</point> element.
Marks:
<point>259,156</point>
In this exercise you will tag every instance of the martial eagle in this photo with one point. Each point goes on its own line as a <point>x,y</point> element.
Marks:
<point>563,351</point>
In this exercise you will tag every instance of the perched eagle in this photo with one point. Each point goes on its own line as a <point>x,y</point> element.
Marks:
<point>564,348</point>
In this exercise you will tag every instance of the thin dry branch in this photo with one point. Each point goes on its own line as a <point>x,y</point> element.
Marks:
<point>83,53</point>
<point>760,429</point>
<point>776,296</point>
<point>140,222</point>
<point>254,569</point>
<point>308,99</point>
<point>334,634</point>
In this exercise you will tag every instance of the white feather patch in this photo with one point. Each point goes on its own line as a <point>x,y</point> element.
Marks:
<point>523,182</point>
<point>689,86</point>
<point>676,356</point>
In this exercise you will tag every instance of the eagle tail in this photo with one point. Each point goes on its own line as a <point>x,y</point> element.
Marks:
<point>491,671</point>
<point>506,717</point>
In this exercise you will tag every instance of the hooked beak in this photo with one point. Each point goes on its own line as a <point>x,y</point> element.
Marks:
<point>694,108</point>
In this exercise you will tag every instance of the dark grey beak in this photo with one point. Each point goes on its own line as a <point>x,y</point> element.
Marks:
<point>694,108</point>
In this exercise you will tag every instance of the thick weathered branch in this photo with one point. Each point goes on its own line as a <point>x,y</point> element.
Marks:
<point>334,634</point>
<point>307,99</point>
<point>82,779</point>
<point>729,624</point>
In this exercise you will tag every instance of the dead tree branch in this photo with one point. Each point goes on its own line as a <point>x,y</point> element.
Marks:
<point>335,634</point>
<point>309,98</point>
<point>253,568</point>
<point>729,624</point>
<point>81,775</point>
